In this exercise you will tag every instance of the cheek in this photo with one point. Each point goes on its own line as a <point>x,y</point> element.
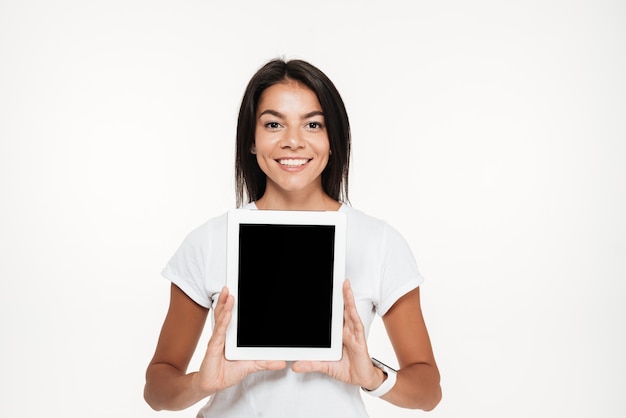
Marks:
<point>261,161</point>
<point>325,148</point>
<point>264,142</point>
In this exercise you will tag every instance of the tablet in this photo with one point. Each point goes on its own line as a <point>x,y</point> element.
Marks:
<point>285,270</point>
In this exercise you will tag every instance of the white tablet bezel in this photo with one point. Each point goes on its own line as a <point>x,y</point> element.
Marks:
<point>247,216</point>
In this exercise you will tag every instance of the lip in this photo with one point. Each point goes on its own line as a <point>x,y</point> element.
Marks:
<point>294,163</point>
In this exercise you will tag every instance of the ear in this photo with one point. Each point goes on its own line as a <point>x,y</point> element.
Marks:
<point>253,149</point>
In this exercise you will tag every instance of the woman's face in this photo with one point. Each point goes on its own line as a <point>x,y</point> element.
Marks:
<point>291,141</point>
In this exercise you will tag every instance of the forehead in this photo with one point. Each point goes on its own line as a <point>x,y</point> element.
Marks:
<point>288,94</point>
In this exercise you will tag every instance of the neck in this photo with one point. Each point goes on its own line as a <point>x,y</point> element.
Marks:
<point>298,201</point>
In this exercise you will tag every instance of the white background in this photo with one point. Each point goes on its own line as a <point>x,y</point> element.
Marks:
<point>491,134</point>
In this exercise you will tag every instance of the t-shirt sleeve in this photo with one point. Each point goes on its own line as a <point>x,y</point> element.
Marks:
<point>399,272</point>
<point>187,267</point>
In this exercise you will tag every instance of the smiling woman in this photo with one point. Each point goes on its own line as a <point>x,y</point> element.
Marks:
<point>293,148</point>
<point>319,102</point>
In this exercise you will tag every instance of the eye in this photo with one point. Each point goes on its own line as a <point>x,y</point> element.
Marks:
<point>272,125</point>
<point>314,126</point>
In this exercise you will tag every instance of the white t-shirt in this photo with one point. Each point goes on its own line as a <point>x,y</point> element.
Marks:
<point>381,268</point>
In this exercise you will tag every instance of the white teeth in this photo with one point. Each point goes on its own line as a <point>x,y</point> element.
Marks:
<point>293,163</point>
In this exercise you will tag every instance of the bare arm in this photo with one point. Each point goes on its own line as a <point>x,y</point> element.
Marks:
<point>168,385</point>
<point>417,384</point>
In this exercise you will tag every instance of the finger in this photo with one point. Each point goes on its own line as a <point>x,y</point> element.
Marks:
<point>309,366</point>
<point>225,303</point>
<point>271,364</point>
<point>348,301</point>
<point>354,329</point>
<point>226,306</point>
<point>351,316</point>
<point>217,341</point>
<point>348,296</point>
<point>222,319</point>
<point>221,300</point>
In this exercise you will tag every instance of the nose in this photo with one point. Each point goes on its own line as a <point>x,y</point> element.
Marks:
<point>292,140</point>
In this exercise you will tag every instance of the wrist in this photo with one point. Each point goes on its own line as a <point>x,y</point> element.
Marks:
<point>199,386</point>
<point>389,380</point>
<point>379,378</point>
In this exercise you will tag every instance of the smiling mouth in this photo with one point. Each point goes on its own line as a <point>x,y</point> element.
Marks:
<point>293,162</point>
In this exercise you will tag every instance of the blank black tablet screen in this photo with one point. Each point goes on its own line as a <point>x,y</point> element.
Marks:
<point>285,285</point>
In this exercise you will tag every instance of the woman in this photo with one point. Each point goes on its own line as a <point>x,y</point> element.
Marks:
<point>293,149</point>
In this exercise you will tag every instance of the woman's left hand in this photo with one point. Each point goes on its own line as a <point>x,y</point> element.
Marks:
<point>355,366</point>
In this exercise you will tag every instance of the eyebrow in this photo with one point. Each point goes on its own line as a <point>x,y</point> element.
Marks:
<point>280,115</point>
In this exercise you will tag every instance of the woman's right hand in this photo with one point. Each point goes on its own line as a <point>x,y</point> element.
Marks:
<point>216,372</point>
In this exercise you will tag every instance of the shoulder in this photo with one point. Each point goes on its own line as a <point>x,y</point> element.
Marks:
<point>213,229</point>
<point>368,232</point>
<point>215,226</point>
<point>361,222</point>
<point>357,216</point>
